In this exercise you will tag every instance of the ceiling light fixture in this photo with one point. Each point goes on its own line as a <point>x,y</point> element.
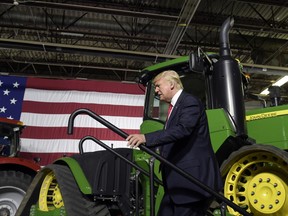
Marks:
<point>72,34</point>
<point>279,83</point>
<point>15,2</point>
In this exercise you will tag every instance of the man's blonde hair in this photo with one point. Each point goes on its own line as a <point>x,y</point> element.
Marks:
<point>171,76</point>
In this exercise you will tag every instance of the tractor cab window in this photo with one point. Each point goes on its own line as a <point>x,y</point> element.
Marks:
<point>9,137</point>
<point>5,141</point>
<point>155,109</point>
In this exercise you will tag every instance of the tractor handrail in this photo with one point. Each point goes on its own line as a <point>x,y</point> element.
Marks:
<point>150,174</point>
<point>118,155</point>
<point>157,156</point>
<point>97,118</point>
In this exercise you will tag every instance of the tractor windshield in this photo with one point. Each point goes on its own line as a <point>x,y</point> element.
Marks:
<point>5,143</point>
<point>9,137</point>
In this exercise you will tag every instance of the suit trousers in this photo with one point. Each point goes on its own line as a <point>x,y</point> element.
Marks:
<point>169,208</point>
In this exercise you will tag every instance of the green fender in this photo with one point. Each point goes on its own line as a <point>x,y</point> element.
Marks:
<point>78,174</point>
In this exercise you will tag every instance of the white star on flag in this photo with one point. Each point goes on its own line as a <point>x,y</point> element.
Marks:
<point>13,101</point>
<point>3,109</point>
<point>15,85</point>
<point>6,92</point>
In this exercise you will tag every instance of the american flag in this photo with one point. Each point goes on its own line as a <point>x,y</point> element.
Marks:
<point>44,106</point>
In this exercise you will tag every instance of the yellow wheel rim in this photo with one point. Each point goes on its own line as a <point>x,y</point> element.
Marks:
<point>242,184</point>
<point>50,196</point>
<point>267,193</point>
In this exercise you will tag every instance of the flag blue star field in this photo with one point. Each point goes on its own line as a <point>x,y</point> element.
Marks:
<point>44,106</point>
<point>12,92</point>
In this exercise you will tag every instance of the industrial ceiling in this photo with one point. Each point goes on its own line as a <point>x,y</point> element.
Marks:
<point>115,39</point>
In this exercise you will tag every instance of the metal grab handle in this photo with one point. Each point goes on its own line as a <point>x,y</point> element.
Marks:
<point>152,198</point>
<point>97,118</point>
<point>118,155</point>
<point>161,159</point>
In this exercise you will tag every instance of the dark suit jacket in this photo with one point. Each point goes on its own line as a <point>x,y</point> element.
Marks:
<point>186,143</point>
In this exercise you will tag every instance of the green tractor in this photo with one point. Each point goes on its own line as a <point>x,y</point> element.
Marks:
<point>250,147</point>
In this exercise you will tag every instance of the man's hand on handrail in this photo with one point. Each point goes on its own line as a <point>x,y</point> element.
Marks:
<point>134,140</point>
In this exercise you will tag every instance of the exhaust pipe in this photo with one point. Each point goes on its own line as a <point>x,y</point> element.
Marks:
<point>224,37</point>
<point>227,85</point>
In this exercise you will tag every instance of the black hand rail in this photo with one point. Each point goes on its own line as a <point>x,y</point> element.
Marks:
<point>161,159</point>
<point>103,145</point>
<point>151,175</point>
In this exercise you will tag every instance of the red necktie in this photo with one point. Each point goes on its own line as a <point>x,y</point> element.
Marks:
<point>168,113</point>
<point>169,110</point>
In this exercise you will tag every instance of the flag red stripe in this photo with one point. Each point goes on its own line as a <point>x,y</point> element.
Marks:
<point>68,108</point>
<point>45,158</point>
<point>31,132</point>
<point>84,85</point>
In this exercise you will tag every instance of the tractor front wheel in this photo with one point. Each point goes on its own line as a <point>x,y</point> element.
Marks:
<point>256,180</point>
<point>13,187</point>
<point>60,192</point>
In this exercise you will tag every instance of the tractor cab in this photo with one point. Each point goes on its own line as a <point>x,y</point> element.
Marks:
<point>10,131</point>
<point>193,75</point>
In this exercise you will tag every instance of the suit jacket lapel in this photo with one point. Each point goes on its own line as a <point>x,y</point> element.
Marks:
<point>175,108</point>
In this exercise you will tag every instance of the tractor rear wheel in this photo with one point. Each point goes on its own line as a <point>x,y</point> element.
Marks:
<point>256,180</point>
<point>59,190</point>
<point>13,187</point>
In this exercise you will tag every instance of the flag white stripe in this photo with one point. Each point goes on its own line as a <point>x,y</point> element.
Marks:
<point>49,96</point>
<point>61,120</point>
<point>65,145</point>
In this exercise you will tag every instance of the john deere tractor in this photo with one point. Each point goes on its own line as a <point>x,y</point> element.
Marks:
<point>250,147</point>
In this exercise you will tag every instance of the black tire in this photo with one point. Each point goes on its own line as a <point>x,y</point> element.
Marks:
<point>255,179</point>
<point>13,187</point>
<point>75,203</point>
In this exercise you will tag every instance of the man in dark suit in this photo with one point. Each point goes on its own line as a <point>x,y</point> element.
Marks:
<point>185,142</point>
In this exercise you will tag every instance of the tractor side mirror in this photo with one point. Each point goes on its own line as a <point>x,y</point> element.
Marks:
<point>196,63</point>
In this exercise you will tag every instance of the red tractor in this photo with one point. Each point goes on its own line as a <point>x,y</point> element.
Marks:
<point>16,173</point>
